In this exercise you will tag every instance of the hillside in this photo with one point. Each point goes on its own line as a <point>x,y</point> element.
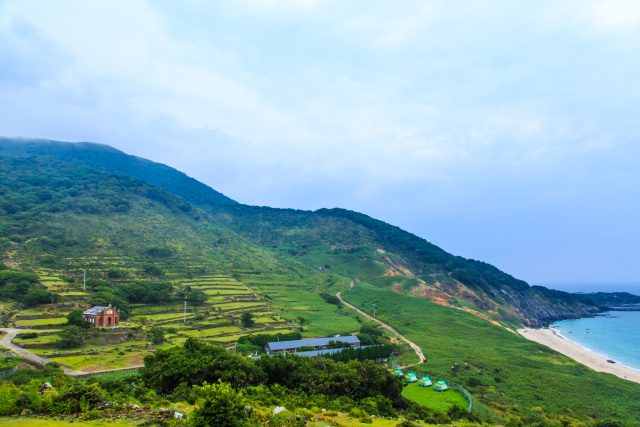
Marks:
<point>351,243</point>
<point>150,242</point>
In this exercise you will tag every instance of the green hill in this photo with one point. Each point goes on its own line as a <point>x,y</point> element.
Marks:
<point>363,247</point>
<point>151,238</point>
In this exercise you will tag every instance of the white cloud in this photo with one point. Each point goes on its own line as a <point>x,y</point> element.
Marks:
<point>613,15</point>
<point>398,26</point>
<point>306,104</point>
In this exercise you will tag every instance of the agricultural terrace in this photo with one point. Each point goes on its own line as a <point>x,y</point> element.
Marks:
<point>217,319</point>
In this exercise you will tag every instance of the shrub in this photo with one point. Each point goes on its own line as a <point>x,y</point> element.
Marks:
<point>75,318</point>
<point>77,397</point>
<point>29,335</point>
<point>9,396</point>
<point>331,299</point>
<point>246,320</point>
<point>219,405</point>
<point>71,337</point>
<point>156,335</point>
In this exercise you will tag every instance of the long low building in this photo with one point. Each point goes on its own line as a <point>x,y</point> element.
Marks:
<point>294,346</point>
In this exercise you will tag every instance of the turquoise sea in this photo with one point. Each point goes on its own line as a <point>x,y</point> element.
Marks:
<point>615,334</point>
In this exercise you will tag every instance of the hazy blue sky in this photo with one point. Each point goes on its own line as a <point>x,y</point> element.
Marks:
<point>506,131</point>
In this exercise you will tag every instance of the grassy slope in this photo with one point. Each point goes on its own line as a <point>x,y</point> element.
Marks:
<point>427,396</point>
<point>510,374</point>
<point>515,375</point>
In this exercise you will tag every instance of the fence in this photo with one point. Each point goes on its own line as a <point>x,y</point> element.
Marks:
<point>468,397</point>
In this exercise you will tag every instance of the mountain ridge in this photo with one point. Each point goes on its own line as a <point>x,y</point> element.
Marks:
<point>367,248</point>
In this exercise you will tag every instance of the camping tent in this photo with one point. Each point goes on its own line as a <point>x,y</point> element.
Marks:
<point>398,372</point>
<point>425,382</point>
<point>441,385</point>
<point>411,377</point>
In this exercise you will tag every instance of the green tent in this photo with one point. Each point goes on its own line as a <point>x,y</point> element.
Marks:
<point>398,372</point>
<point>425,382</point>
<point>411,377</point>
<point>441,385</point>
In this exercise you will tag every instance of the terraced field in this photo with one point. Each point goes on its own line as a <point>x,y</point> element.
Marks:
<point>296,300</point>
<point>216,321</point>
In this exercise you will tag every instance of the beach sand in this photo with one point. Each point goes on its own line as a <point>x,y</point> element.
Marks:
<point>551,339</point>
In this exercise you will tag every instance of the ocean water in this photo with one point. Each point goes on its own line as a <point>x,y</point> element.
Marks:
<point>615,334</point>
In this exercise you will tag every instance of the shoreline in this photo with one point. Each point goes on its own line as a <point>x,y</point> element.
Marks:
<point>589,358</point>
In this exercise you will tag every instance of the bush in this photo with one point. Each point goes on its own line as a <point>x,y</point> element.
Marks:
<point>71,336</point>
<point>75,318</point>
<point>156,335</point>
<point>9,396</point>
<point>246,320</point>
<point>219,405</point>
<point>29,335</point>
<point>331,299</point>
<point>196,363</point>
<point>77,397</point>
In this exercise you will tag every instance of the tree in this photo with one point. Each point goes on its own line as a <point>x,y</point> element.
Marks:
<point>105,298</point>
<point>156,334</point>
<point>75,318</point>
<point>193,296</point>
<point>71,336</point>
<point>246,320</point>
<point>36,296</point>
<point>219,405</point>
<point>196,363</point>
<point>77,396</point>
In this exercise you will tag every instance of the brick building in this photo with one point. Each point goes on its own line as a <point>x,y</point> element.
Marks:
<point>102,317</point>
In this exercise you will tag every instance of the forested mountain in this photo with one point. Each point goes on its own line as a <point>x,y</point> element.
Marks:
<point>62,199</point>
<point>152,240</point>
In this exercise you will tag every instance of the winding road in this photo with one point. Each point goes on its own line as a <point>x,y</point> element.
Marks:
<point>7,342</point>
<point>388,327</point>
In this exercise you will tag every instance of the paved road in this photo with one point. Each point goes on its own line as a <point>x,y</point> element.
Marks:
<point>10,334</point>
<point>388,327</point>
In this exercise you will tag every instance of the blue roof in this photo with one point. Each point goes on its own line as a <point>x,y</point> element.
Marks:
<point>311,342</point>
<point>95,310</point>
<point>314,353</point>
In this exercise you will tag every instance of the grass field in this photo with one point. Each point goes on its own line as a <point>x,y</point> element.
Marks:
<point>40,339</point>
<point>293,300</point>
<point>427,396</point>
<point>498,366</point>
<point>25,323</point>
<point>101,361</point>
<point>216,321</point>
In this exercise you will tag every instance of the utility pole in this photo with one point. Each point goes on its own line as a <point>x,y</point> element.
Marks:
<point>374,309</point>
<point>184,318</point>
<point>84,280</point>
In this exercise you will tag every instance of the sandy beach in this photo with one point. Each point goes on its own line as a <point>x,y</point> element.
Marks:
<point>551,339</point>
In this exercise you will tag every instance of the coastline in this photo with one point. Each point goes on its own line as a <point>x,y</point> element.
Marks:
<point>556,341</point>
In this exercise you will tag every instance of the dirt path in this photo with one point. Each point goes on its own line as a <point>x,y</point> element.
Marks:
<point>10,333</point>
<point>388,327</point>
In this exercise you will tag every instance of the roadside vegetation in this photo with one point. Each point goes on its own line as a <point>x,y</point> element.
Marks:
<point>208,385</point>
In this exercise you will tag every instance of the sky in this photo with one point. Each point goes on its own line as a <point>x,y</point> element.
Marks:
<point>505,131</point>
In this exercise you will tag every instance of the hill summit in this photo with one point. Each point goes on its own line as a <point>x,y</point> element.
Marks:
<point>69,201</point>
